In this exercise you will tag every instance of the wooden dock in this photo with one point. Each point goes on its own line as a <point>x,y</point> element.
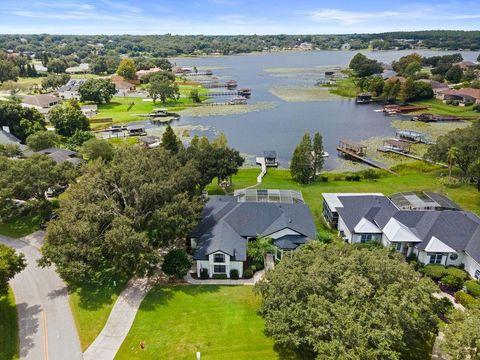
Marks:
<point>226,93</point>
<point>411,156</point>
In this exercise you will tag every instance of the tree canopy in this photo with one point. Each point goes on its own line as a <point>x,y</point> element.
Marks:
<point>97,90</point>
<point>68,117</point>
<point>341,302</point>
<point>11,263</point>
<point>127,69</point>
<point>307,160</point>
<point>42,140</point>
<point>364,66</point>
<point>21,121</point>
<point>161,86</point>
<point>118,214</point>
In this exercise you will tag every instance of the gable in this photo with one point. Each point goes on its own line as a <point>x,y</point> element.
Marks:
<point>366,227</point>
<point>436,245</point>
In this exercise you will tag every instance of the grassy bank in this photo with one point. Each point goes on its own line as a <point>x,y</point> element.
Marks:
<point>439,108</point>
<point>20,227</point>
<point>344,87</point>
<point>221,322</point>
<point>8,327</point>
<point>413,176</point>
<point>91,306</point>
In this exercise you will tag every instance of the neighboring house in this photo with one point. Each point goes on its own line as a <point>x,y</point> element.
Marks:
<point>464,96</point>
<point>141,74</point>
<point>123,87</point>
<point>41,102</point>
<point>228,223</point>
<point>62,155</point>
<point>466,65</point>
<point>70,89</point>
<point>89,110</point>
<point>80,69</point>
<point>6,138</point>
<point>435,236</point>
<point>436,85</point>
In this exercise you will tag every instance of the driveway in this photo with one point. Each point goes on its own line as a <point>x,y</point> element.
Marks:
<point>47,328</point>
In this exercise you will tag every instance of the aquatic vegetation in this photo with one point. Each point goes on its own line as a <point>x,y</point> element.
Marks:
<point>220,110</point>
<point>303,93</point>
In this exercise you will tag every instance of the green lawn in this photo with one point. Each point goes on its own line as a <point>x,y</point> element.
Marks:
<point>91,306</point>
<point>8,327</point>
<point>21,226</point>
<point>118,111</point>
<point>344,87</point>
<point>219,321</point>
<point>416,176</point>
<point>439,108</point>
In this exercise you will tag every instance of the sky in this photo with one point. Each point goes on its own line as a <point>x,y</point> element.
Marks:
<point>230,17</point>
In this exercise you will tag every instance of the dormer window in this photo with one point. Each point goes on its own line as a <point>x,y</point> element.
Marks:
<point>219,258</point>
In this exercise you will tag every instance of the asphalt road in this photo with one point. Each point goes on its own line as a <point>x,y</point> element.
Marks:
<point>47,329</point>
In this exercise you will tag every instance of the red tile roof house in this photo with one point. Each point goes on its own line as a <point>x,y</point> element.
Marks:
<point>466,95</point>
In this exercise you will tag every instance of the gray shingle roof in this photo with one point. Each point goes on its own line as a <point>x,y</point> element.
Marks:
<point>460,230</point>
<point>62,155</point>
<point>7,138</point>
<point>227,223</point>
<point>290,242</point>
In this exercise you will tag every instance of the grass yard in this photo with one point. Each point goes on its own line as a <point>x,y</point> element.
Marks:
<point>21,226</point>
<point>439,108</point>
<point>8,327</point>
<point>344,87</point>
<point>91,306</point>
<point>219,321</point>
<point>413,176</point>
<point>118,109</point>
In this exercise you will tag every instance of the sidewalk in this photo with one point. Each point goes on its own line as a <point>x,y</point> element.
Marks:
<point>256,278</point>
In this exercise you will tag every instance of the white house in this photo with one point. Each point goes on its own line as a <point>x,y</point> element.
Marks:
<point>70,89</point>
<point>41,102</point>
<point>439,233</point>
<point>228,223</point>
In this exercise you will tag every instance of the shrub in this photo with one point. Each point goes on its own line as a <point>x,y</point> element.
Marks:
<point>248,274</point>
<point>465,299</point>
<point>370,174</point>
<point>455,271</point>
<point>453,282</point>
<point>259,265</point>
<point>203,273</point>
<point>234,274</point>
<point>354,177</point>
<point>443,306</point>
<point>253,268</point>
<point>219,276</point>
<point>324,237</point>
<point>473,288</point>
<point>476,107</point>
<point>324,178</point>
<point>176,263</point>
<point>338,178</point>
<point>436,272</point>
<point>450,182</point>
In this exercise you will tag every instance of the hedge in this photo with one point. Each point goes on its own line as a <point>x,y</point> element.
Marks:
<point>436,271</point>
<point>204,273</point>
<point>465,299</point>
<point>248,274</point>
<point>234,274</point>
<point>453,282</point>
<point>473,287</point>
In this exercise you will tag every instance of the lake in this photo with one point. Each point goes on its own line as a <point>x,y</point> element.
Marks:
<point>280,128</point>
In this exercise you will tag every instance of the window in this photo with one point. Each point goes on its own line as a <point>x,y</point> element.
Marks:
<point>477,274</point>
<point>219,269</point>
<point>436,258</point>
<point>219,258</point>
<point>398,246</point>
<point>368,237</point>
<point>453,257</point>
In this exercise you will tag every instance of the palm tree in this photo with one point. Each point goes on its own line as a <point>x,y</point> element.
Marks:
<point>452,155</point>
<point>259,248</point>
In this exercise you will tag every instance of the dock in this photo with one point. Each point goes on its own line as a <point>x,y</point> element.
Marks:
<point>357,152</point>
<point>397,109</point>
<point>411,156</point>
<point>261,161</point>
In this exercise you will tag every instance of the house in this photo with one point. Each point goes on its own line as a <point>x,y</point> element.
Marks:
<point>124,87</point>
<point>89,110</point>
<point>463,96</point>
<point>228,223</point>
<point>437,233</point>
<point>80,69</point>
<point>436,85</point>
<point>41,102</point>
<point>62,155</point>
<point>466,65</point>
<point>136,130</point>
<point>70,89</point>
<point>6,138</point>
<point>149,141</point>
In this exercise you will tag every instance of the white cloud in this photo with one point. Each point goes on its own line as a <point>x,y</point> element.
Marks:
<point>349,17</point>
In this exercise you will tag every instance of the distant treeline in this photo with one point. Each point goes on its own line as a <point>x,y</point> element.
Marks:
<point>83,46</point>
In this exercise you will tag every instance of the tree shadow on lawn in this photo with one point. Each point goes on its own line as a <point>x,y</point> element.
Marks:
<point>95,295</point>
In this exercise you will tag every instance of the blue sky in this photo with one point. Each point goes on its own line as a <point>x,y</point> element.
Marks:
<point>234,16</point>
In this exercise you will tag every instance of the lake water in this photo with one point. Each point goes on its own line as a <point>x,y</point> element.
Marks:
<point>281,128</point>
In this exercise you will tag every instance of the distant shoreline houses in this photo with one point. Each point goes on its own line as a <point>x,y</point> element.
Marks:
<point>428,226</point>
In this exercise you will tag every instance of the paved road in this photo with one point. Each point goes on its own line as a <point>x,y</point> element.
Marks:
<point>47,328</point>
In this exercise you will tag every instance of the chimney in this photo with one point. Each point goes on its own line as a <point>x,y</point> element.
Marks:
<point>6,129</point>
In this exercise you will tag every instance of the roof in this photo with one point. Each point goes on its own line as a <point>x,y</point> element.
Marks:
<point>72,85</point>
<point>269,195</point>
<point>123,85</point>
<point>7,138</point>
<point>290,242</point>
<point>41,100</point>
<point>398,143</point>
<point>270,154</point>
<point>432,230</point>
<point>227,222</point>
<point>333,201</point>
<point>465,92</point>
<point>435,84</point>
<point>62,155</point>
<point>422,199</point>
